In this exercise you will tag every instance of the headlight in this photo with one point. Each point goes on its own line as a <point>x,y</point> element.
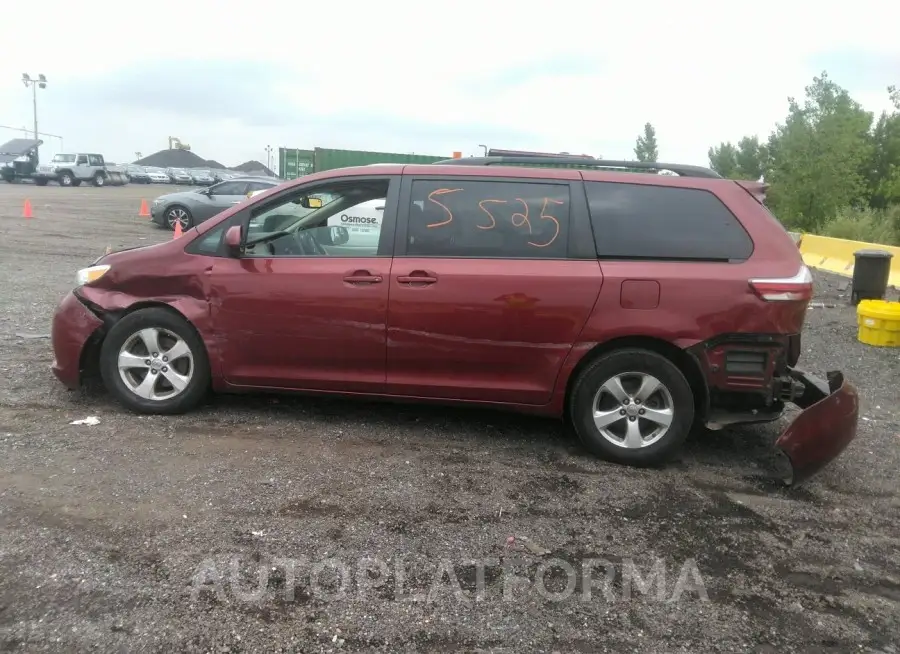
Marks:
<point>91,274</point>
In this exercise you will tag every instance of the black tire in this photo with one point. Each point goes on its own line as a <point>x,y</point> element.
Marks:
<point>65,178</point>
<point>625,364</point>
<point>40,181</point>
<point>168,324</point>
<point>171,216</point>
<point>98,180</point>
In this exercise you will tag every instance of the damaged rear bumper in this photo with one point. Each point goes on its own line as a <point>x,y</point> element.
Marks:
<point>823,429</point>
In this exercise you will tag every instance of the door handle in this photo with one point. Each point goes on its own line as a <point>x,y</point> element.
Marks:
<point>417,277</point>
<point>363,277</point>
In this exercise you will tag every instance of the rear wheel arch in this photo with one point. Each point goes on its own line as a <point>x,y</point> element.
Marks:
<point>682,359</point>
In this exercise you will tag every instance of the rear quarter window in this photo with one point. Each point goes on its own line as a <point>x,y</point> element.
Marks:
<point>636,221</point>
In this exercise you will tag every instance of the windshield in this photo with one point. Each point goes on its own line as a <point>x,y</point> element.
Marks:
<point>64,158</point>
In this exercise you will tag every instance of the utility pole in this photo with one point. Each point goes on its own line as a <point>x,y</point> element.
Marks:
<point>40,82</point>
<point>269,157</point>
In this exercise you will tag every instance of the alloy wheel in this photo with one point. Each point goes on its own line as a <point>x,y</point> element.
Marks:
<point>156,364</point>
<point>633,410</point>
<point>178,215</point>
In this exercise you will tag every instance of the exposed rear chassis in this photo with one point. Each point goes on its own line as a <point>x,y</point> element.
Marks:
<point>823,429</point>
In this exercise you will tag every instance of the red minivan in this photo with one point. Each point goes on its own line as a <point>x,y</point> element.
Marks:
<point>632,304</point>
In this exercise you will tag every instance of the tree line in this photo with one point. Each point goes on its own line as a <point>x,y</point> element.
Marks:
<point>832,167</point>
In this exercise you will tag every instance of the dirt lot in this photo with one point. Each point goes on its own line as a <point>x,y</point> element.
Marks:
<point>112,535</point>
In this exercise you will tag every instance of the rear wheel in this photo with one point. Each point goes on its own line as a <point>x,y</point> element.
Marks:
<point>99,179</point>
<point>154,362</point>
<point>633,407</point>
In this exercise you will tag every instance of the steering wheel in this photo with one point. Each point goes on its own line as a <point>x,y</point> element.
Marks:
<point>308,243</point>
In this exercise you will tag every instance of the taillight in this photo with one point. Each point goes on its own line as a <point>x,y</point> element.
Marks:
<point>785,289</point>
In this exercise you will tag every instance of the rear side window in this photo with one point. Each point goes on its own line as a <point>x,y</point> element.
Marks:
<point>258,186</point>
<point>635,221</point>
<point>230,188</point>
<point>488,219</point>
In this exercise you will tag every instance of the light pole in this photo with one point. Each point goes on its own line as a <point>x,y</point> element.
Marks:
<point>485,149</point>
<point>35,84</point>
<point>269,157</point>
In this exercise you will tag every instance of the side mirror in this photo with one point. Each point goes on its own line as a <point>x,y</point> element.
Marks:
<point>233,240</point>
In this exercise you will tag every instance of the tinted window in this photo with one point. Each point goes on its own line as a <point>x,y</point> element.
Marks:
<point>95,160</point>
<point>453,218</point>
<point>633,221</point>
<point>230,188</point>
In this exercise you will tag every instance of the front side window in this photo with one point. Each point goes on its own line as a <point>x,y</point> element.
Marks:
<point>82,160</point>
<point>342,219</point>
<point>642,221</point>
<point>488,219</point>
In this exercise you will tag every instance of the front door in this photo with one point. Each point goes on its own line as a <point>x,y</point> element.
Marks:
<point>294,311</point>
<point>486,301</point>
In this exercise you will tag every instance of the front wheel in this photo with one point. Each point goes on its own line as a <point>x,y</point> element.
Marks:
<point>633,407</point>
<point>66,179</point>
<point>179,214</point>
<point>154,362</point>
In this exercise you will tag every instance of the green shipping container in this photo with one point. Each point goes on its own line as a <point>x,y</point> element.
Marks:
<point>294,163</point>
<point>329,159</point>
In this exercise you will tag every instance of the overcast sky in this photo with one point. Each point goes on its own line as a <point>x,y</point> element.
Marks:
<point>230,78</point>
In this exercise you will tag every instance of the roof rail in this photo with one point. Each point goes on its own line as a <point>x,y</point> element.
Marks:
<point>681,170</point>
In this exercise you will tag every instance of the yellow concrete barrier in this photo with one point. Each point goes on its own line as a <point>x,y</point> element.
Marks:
<point>836,255</point>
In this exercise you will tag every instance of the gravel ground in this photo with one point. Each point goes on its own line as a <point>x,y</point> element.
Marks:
<point>447,530</point>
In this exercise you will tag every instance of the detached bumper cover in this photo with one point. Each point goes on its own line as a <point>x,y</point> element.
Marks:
<point>73,325</point>
<point>825,427</point>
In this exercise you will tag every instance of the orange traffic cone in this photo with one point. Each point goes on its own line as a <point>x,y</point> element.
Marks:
<point>145,210</point>
<point>26,210</point>
<point>177,229</point>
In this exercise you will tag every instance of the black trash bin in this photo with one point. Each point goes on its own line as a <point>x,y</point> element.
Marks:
<point>871,271</point>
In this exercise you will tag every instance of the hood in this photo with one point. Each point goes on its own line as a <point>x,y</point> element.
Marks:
<point>140,252</point>
<point>180,195</point>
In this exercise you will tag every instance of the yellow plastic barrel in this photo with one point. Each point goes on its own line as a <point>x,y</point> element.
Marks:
<point>879,323</point>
